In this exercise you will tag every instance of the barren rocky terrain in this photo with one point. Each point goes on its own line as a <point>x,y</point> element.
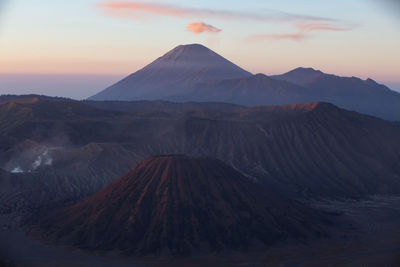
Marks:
<point>371,239</point>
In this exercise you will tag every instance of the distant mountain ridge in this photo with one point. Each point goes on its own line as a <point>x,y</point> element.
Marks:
<point>365,96</point>
<point>195,73</point>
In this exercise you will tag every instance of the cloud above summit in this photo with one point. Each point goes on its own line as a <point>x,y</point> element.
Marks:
<point>200,27</point>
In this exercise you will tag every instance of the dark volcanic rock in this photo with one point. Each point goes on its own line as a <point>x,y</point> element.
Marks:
<point>180,205</point>
<point>308,150</point>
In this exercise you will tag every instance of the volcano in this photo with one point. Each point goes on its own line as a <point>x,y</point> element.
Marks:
<point>180,205</point>
<point>178,70</point>
<point>195,73</point>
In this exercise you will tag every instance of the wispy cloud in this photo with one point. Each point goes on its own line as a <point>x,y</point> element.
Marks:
<point>145,10</point>
<point>200,27</point>
<point>278,36</point>
<point>302,33</point>
<point>321,27</point>
<point>138,10</point>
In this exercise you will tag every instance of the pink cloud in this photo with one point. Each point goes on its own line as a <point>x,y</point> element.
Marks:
<point>200,27</point>
<point>150,8</point>
<point>302,32</point>
<point>320,27</point>
<point>137,9</point>
<point>283,36</point>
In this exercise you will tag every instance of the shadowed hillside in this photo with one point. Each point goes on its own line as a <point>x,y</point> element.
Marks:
<point>307,150</point>
<point>180,205</point>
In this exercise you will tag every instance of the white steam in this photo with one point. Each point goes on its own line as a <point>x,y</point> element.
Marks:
<point>17,170</point>
<point>43,159</point>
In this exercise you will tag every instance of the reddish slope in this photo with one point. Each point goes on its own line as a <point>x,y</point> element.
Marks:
<point>180,205</point>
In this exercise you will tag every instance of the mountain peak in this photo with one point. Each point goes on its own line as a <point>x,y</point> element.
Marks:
<point>189,52</point>
<point>300,76</point>
<point>260,75</point>
<point>192,46</point>
<point>306,70</point>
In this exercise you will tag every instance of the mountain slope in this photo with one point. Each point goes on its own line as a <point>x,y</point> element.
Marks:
<point>181,205</point>
<point>365,96</point>
<point>148,106</point>
<point>307,150</point>
<point>312,150</point>
<point>254,90</point>
<point>173,73</point>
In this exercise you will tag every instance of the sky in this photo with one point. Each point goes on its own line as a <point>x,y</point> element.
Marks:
<point>77,48</point>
